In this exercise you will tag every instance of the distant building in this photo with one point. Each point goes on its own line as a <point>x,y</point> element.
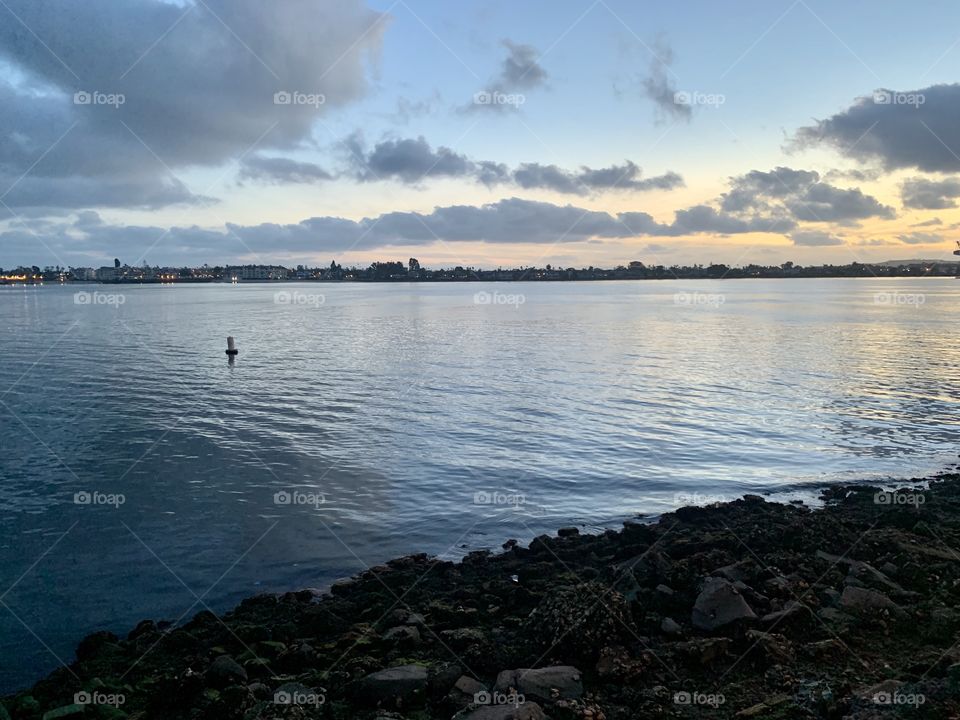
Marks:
<point>84,274</point>
<point>108,274</point>
<point>256,272</point>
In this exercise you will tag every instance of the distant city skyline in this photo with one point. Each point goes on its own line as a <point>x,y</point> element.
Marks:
<point>562,133</point>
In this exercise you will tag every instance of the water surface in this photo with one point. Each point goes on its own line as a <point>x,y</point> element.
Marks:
<point>401,406</point>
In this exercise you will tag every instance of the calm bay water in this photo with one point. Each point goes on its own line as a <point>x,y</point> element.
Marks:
<point>408,418</point>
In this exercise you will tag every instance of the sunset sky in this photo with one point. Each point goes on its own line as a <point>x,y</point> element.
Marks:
<point>484,133</point>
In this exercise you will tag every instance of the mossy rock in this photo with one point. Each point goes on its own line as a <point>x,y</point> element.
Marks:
<point>580,619</point>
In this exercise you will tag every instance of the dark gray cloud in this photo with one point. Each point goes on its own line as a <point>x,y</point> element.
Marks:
<point>920,238</point>
<point>87,240</point>
<point>932,222</point>
<point>865,175</point>
<point>615,177</point>
<point>280,171</point>
<point>815,238</point>
<point>410,161</point>
<point>924,194</point>
<point>520,72</point>
<point>413,161</point>
<point>800,195</point>
<point>706,219</point>
<point>521,69</point>
<point>201,95</point>
<point>659,85</point>
<point>755,189</point>
<point>825,203</point>
<point>895,129</point>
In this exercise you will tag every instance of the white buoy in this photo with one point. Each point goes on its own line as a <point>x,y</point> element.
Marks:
<point>231,346</point>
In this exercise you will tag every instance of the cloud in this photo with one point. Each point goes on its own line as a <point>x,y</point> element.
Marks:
<point>754,189</point>
<point>279,171</point>
<point>615,177</point>
<point>929,223</point>
<point>924,194</point>
<point>412,161</point>
<point>521,68</point>
<point>520,71</point>
<point>920,238</point>
<point>659,87</point>
<point>814,238</point>
<point>87,240</point>
<point>865,175</point>
<point>706,219</point>
<point>825,203</point>
<point>801,196</point>
<point>200,96</point>
<point>911,129</point>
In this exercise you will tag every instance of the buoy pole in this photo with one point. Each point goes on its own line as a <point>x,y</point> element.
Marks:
<point>231,347</point>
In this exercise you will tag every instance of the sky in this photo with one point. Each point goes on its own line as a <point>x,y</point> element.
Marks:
<point>485,133</point>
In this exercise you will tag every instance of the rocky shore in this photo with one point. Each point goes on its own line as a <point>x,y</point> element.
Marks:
<point>748,609</point>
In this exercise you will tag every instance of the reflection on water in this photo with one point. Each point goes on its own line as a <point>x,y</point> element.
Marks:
<point>417,420</point>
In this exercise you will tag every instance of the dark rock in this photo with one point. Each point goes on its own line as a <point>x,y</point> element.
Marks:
<point>704,651</point>
<point>669,626</point>
<point>718,605</point>
<point>792,611</point>
<point>463,637</point>
<point>526,711</point>
<point>225,671</point>
<point>417,620</point>
<point>465,691</point>
<point>403,635</point>
<point>774,648</point>
<point>544,684</point>
<point>404,685</point>
<point>735,572</point>
<point>235,699</point>
<point>65,711</point>
<point>568,532</point>
<point>864,601</point>
<point>260,690</point>
<point>580,619</point>
<point>293,693</point>
<point>146,627</point>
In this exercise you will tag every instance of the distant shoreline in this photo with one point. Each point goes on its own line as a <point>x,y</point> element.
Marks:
<point>353,281</point>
